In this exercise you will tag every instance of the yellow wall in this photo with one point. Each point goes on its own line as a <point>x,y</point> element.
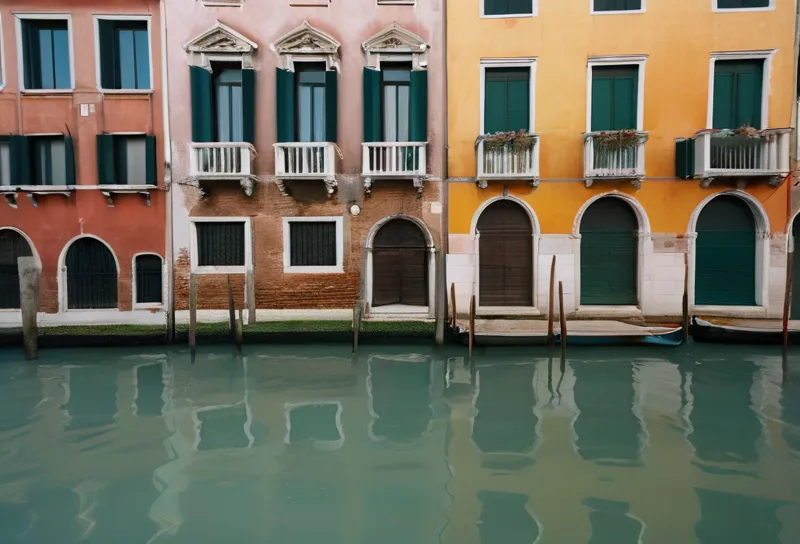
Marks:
<point>678,37</point>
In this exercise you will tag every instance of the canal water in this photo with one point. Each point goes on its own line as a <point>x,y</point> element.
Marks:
<point>402,445</point>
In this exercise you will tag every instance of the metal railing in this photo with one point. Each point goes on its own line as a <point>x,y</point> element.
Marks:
<point>507,162</point>
<point>765,155</point>
<point>222,159</point>
<point>394,159</point>
<point>305,160</point>
<point>612,161</point>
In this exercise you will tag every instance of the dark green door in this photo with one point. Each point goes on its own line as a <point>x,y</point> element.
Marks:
<point>796,272</point>
<point>609,255</point>
<point>725,264</point>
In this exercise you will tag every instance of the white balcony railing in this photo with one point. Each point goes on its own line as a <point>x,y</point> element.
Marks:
<point>222,160</point>
<point>604,161</point>
<point>508,163</point>
<point>721,155</point>
<point>394,159</point>
<point>298,160</point>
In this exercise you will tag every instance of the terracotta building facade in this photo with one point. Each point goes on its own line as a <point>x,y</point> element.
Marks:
<point>81,155</point>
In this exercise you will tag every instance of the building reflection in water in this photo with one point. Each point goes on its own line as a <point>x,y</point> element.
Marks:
<point>91,396</point>
<point>317,421</point>
<point>149,389</point>
<point>731,518</point>
<point>505,518</point>
<point>398,389</point>
<point>612,523</point>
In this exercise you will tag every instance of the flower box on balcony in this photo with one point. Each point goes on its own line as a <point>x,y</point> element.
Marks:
<point>508,156</point>
<point>394,160</point>
<point>616,154</point>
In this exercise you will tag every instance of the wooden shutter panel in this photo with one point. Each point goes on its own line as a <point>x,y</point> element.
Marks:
<point>419,106</point>
<point>108,55</point>
<point>31,54</point>
<point>249,106</point>
<point>21,160</point>
<point>151,168</point>
<point>331,105</point>
<point>625,100</point>
<point>615,92</point>
<point>285,100</point>
<point>69,159</point>
<point>723,99</point>
<point>105,160</point>
<point>602,92</point>
<point>495,100</point>
<point>372,105</point>
<point>202,109</point>
<point>749,78</point>
<point>518,102</point>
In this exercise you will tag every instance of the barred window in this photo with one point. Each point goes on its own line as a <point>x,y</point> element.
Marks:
<point>148,279</point>
<point>220,244</point>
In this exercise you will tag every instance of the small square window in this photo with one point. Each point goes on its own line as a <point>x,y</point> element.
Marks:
<point>5,162</point>
<point>126,160</point>
<point>48,165</point>
<point>743,4</point>
<point>501,8</point>
<point>148,279</point>
<point>313,245</point>
<point>124,54</point>
<point>220,243</point>
<point>46,54</point>
<point>601,6</point>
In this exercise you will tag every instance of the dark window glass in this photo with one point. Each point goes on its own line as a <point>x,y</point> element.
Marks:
<point>46,54</point>
<point>312,243</point>
<point>742,4</point>
<point>148,279</point>
<point>49,165</point>
<point>617,5</point>
<point>5,161</point>
<point>311,101</point>
<point>124,54</point>
<point>91,275</point>
<point>230,110</point>
<point>507,7</point>
<point>12,246</point>
<point>396,81</point>
<point>220,244</point>
<point>130,160</point>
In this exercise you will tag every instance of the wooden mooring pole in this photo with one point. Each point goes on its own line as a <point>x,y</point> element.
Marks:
<point>29,274</point>
<point>192,312</point>
<point>685,302</point>
<point>563,317</point>
<point>231,312</point>
<point>356,326</point>
<point>551,341</point>
<point>454,324</point>
<point>787,295</point>
<point>471,325</point>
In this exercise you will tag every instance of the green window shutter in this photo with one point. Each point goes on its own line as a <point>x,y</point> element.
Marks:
<point>105,160</point>
<point>615,92</point>
<point>419,106</point>
<point>507,7</point>
<point>742,4</point>
<point>495,101</point>
<point>331,105</point>
<point>372,105</point>
<point>202,110</point>
<point>506,100</point>
<point>617,5</point>
<point>249,105</point>
<point>737,93</point>
<point>20,160</point>
<point>30,52</point>
<point>151,158</point>
<point>519,102</point>
<point>69,159</point>
<point>108,54</point>
<point>684,158</point>
<point>285,100</point>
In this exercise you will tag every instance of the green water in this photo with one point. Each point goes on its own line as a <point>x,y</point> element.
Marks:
<point>403,445</point>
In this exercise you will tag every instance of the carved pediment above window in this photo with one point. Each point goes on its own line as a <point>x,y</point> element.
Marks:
<point>396,42</point>
<point>221,41</point>
<point>307,41</point>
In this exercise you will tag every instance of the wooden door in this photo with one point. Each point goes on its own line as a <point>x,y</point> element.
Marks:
<point>400,265</point>
<point>725,264</point>
<point>609,253</point>
<point>506,255</point>
<point>12,246</point>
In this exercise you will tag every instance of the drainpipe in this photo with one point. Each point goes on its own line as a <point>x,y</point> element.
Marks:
<point>168,257</point>
<point>446,151</point>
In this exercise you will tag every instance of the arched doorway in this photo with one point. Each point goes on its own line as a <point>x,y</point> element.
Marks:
<point>506,255</point>
<point>91,275</point>
<point>609,253</point>
<point>12,246</point>
<point>400,265</point>
<point>725,262</point>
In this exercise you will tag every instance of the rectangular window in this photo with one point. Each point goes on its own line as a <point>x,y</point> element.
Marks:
<point>130,160</point>
<point>49,164</point>
<point>220,244</point>
<point>5,162</point>
<point>615,92</point>
<point>617,5</point>
<point>124,54</point>
<point>737,93</point>
<point>742,4</point>
<point>396,83</point>
<point>508,7</point>
<point>506,100</point>
<point>230,106</point>
<point>313,244</point>
<point>46,54</point>
<point>310,101</point>
<point>148,279</point>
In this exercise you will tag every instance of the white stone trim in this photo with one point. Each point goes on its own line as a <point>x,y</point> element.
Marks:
<point>20,56</point>
<point>395,43</point>
<point>306,41</point>
<point>326,445</point>
<point>534,12</point>
<point>624,60</point>
<point>27,238</point>
<point>592,11</point>
<point>148,305</point>
<point>415,311</point>
<point>338,268</point>
<point>715,3</point>
<point>2,57</point>
<point>762,257</point>
<point>530,63</point>
<point>63,305</point>
<point>246,427</point>
<point>765,55</point>
<point>97,64</point>
<point>248,246</point>
<point>221,43</point>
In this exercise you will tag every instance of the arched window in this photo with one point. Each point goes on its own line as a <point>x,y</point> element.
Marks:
<point>148,278</point>
<point>12,246</point>
<point>91,275</point>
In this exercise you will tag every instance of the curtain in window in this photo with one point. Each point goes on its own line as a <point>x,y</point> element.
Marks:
<point>311,103</point>
<point>230,127</point>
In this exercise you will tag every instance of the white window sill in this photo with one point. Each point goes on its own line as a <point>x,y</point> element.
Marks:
<point>47,91</point>
<point>148,306</point>
<point>218,270</point>
<point>126,91</point>
<point>729,311</point>
<point>742,10</point>
<point>132,188</point>
<point>618,12</point>
<point>38,188</point>
<point>481,311</point>
<point>510,16</point>
<point>313,269</point>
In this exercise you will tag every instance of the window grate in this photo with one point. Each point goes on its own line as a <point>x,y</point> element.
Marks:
<point>148,279</point>
<point>220,244</point>
<point>91,275</point>
<point>12,246</point>
<point>312,243</point>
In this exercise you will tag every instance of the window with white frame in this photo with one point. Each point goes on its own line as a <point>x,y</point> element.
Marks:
<point>617,6</point>
<point>220,245</point>
<point>124,53</point>
<point>313,244</point>
<point>508,8</point>
<point>507,95</point>
<point>744,5</point>
<point>148,279</point>
<point>45,45</point>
